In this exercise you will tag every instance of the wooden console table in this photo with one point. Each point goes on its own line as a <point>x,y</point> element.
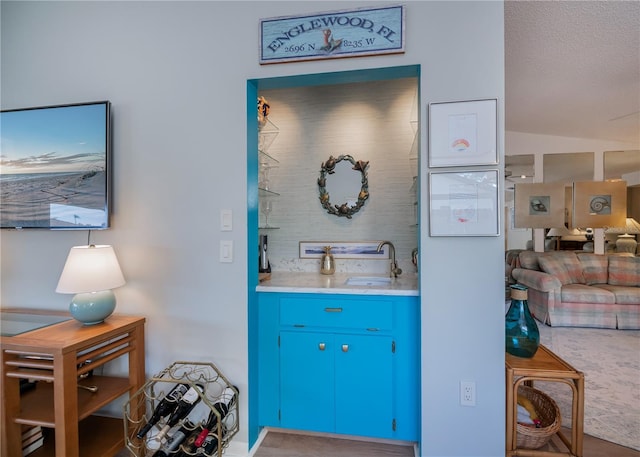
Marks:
<point>544,366</point>
<point>57,356</point>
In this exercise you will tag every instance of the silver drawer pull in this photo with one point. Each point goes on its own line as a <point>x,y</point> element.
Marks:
<point>333,310</point>
<point>322,346</point>
<point>345,348</point>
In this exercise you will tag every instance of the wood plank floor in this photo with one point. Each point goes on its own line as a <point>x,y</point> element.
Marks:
<point>276,444</point>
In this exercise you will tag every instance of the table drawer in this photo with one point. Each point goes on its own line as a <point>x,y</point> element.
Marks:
<point>337,313</point>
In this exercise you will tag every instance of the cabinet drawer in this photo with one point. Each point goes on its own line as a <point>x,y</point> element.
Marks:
<point>337,313</point>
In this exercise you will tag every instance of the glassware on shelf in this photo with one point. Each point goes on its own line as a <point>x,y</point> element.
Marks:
<point>264,183</point>
<point>266,207</point>
<point>267,133</point>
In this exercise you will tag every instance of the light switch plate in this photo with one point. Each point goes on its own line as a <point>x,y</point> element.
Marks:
<point>226,220</point>
<point>226,251</point>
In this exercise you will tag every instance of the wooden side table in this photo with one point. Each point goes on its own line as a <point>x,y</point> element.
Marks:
<point>543,366</point>
<point>57,355</point>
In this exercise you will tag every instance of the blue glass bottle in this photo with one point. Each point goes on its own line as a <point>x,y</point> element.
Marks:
<point>522,334</point>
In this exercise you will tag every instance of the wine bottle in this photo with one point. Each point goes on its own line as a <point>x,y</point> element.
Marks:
<point>188,447</point>
<point>166,406</point>
<point>176,438</point>
<point>227,397</point>
<point>186,403</point>
<point>210,444</point>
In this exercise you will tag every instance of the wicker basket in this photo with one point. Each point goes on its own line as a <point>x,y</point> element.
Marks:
<point>530,437</point>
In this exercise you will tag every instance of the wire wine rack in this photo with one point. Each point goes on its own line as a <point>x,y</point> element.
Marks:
<point>138,410</point>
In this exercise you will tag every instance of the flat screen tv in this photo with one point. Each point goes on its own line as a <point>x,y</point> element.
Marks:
<point>55,167</point>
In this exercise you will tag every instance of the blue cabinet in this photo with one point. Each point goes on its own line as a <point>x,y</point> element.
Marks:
<point>345,364</point>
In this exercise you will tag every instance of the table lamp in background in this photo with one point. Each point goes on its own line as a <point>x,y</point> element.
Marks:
<point>557,233</point>
<point>91,272</point>
<point>626,241</point>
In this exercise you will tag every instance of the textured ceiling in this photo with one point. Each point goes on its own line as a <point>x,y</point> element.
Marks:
<point>573,68</point>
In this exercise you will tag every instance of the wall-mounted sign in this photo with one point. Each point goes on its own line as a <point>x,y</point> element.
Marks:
<point>352,33</point>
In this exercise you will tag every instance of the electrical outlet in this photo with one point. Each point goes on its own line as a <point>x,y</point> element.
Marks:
<point>467,393</point>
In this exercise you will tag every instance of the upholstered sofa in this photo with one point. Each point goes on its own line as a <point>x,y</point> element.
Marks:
<point>580,289</point>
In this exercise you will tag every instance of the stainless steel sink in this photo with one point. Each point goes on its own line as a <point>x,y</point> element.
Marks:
<point>368,281</point>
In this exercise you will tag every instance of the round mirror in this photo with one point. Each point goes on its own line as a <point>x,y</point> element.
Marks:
<point>343,185</point>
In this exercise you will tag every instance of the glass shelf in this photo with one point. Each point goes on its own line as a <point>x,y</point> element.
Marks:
<point>267,159</point>
<point>266,136</point>
<point>413,152</point>
<point>267,193</point>
<point>267,133</point>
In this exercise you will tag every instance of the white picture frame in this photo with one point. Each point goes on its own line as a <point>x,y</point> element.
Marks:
<point>463,133</point>
<point>464,203</point>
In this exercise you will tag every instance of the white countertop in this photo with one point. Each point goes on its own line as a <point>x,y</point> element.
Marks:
<point>316,283</point>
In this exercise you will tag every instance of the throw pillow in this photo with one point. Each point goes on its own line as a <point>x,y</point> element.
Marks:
<point>555,267</point>
<point>529,260</point>
<point>572,264</point>
<point>624,271</point>
<point>594,268</point>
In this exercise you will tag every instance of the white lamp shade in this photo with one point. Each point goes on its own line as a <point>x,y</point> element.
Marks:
<point>631,227</point>
<point>90,269</point>
<point>558,231</point>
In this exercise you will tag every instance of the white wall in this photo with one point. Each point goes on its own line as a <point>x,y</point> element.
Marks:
<point>176,73</point>
<point>462,278</point>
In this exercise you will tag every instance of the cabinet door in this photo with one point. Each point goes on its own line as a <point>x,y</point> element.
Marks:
<point>364,385</point>
<point>307,381</point>
<point>267,399</point>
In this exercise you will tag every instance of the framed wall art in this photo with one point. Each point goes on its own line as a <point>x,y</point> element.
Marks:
<point>539,205</point>
<point>344,249</point>
<point>463,133</point>
<point>598,204</point>
<point>56,167</point>
<point>334,34</point>
<point>464,203</point>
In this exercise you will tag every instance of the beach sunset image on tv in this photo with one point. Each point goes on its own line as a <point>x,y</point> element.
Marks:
<point>54,167</point>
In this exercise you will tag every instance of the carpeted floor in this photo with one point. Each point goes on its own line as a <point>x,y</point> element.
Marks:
<point>610,361</point>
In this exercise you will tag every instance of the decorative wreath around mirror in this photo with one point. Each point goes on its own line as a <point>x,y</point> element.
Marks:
<point>348,208</point>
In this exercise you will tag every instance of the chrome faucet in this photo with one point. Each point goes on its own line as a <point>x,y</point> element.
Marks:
<point>395,271</point>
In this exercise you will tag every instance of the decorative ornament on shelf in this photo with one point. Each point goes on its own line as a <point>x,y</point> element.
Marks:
<point>522,336</point>
<point>263,112</point>
<point>91,272</point>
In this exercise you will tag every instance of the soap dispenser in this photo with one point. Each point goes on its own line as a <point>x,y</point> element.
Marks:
<point>327,263</point>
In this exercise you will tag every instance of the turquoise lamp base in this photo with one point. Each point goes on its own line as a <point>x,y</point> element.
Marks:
<point>93,307</point>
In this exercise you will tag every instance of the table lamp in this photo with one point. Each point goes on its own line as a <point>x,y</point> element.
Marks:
<point>91,272</point>
<point>626,241</point>
<point>557,233</point>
